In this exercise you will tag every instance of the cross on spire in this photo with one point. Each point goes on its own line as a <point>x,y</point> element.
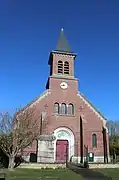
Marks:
<point>62,44</point>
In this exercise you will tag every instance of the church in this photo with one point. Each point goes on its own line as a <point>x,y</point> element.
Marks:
<point>74,129</point>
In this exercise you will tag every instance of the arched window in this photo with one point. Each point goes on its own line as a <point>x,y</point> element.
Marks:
<point>94,140</point>
<point>63,108</point>
<point>56,108</point>
<point>66,67</point>
<point>70,109</point>
<point>60,67</point>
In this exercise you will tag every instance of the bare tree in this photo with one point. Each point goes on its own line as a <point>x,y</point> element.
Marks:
<point>113,127</point>
<point>18,132</point>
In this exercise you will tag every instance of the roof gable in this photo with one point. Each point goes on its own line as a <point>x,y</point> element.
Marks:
<point>92,107</point>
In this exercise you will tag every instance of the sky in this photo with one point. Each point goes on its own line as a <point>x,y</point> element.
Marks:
<point>29,30</point>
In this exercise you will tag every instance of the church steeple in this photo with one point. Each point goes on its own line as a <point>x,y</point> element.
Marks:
<point>61,62</point>
<point>62,43</point>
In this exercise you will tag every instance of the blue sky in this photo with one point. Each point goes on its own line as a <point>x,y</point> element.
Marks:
<point>29,30</point>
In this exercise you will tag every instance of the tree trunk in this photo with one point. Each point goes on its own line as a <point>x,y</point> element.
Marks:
<point>11,162</point>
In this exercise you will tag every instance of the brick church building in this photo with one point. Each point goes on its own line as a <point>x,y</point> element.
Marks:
<point>74,127</point>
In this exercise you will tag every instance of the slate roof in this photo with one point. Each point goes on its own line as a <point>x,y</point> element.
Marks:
<point>62,43</point>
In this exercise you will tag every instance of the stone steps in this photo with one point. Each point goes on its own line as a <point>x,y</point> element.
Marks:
<point>101,166</point>
<point>40,166</point>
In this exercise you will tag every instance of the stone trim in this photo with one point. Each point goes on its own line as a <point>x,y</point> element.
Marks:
<point>68,54</point>
<point>34,102</point>
<point>93,109</point>
<point>46,137</point>
<point>67,77</point>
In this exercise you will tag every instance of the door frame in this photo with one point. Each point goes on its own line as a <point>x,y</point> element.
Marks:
<point>67,153</point>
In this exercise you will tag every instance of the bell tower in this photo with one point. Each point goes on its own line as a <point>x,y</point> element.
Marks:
<point>61,60</point>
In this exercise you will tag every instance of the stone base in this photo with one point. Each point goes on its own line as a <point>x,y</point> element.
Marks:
<point>26,158</point>
<point>97,159</point>
<point>40,166</point>
<point>101,166</point>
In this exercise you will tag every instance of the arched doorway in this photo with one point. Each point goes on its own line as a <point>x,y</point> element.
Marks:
<point>63,144</point>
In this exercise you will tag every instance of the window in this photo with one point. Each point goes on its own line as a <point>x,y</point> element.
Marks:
<point>94,140</point>
<point>70,109</point>
<point>66,67</point>
<point>63,108</point>
<point>60,67</point>
<point>56,108</point>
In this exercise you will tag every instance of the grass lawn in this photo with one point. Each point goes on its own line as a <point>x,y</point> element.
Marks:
<point>53,174</point>
<point>113,173</point>
<point>44,174</point>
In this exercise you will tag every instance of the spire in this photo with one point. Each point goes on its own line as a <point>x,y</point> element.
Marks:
<point>62,44</point>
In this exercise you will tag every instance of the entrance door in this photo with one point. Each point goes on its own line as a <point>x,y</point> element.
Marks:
<point>62,151</point>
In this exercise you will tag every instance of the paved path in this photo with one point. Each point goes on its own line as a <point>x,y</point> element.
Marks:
<point>89,174</point>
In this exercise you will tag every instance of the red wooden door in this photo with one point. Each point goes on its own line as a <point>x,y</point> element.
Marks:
<point>61,150</point>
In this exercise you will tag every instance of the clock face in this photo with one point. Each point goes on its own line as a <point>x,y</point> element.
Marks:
<point>63,85</point>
